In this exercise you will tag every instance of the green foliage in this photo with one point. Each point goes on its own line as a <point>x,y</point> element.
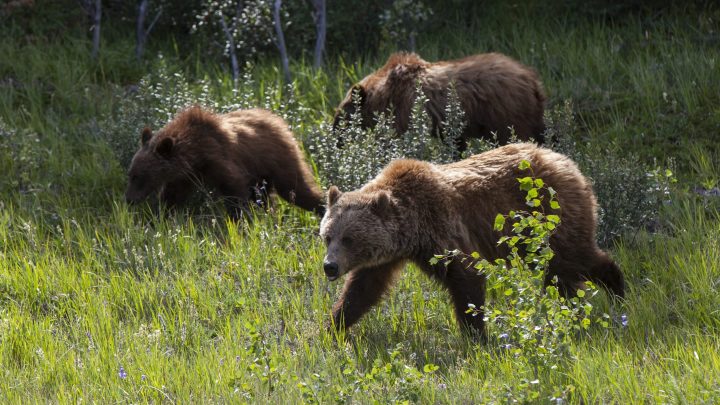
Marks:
<point>163,93</point>
<point>104,303</point>
<point>630,192</point>
<point>22,156</point>
<point>365,152</point>
<point>250,24</point>
<point>403,21</point>
<point>534,324</point>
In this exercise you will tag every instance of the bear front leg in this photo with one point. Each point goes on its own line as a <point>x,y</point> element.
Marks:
<point>235,198</point>
<point>363,289</point>
<point>466,286</point>
<point>177,192</point>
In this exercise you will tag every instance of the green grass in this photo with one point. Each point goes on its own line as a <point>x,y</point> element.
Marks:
<point>208,310</point>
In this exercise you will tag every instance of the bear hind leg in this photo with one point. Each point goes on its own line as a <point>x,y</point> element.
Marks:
<point>607,274</point>
<point>467,286</point>
<point>571,276</point>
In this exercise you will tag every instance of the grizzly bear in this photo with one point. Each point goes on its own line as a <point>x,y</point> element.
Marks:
<point>231,153</point>
<point>414,210</point>
<point>495,91</point>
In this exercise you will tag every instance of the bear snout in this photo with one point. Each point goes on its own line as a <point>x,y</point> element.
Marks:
<point>132,198</point>
<point>332,270</point>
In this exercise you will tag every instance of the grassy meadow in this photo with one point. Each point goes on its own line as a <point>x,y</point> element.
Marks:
<point>102,302</point>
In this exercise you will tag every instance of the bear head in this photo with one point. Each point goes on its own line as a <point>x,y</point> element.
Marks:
<point>360,229</point>
<point>151,167</point>
<point>355,98</point>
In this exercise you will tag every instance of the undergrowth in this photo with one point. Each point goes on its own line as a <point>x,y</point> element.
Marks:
<point>103,303</point>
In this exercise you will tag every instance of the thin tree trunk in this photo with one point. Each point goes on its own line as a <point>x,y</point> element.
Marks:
<point>321,28</point>
<point>281,41</point>
<point>142,32</point>
<point>97,15</point>
<point>231,45</point>
<point>140,29</point>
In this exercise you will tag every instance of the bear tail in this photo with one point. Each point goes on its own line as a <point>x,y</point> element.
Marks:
<point>609,276</point>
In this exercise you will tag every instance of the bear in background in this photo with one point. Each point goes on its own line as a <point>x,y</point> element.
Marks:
<point>231,153</point>
<point>495,91</point>
<point>414,210</point>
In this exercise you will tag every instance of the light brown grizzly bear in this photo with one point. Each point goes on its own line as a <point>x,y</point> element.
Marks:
<point>495,91</point>
<point>231,153</point>
<point>413,210</point>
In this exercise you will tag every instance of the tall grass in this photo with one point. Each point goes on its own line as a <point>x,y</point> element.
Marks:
<point>100,302</point>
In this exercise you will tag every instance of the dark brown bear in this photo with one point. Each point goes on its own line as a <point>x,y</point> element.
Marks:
<point>495,91</point>
<point>414,210</point>
<point>231,153</point>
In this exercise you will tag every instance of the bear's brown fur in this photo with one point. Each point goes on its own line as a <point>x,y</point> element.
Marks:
<point>231,153</point>
<point>414,210</point>
<point>495,91</point>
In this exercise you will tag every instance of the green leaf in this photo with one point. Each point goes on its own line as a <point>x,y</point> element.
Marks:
<point>539,183</point>
<point>554,205</point>
<point>429,368</point>
<point>524,165</point>
<point>526,183</point>
<point>554,219</point>
<point>532,193</point>
<point>499,222</point>
<point>580,293</point>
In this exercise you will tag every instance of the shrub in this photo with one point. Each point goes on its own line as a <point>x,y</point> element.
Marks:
<point>533,324</point>
<point>363,153</point>
<point>162,94</point>
<point>22,156</point>
<point>629,192</point>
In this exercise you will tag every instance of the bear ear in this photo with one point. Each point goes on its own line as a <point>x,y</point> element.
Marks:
<point>404,72</point>
<point>360,91</point>
<point>164,147</point>
<point>382,204</point>
<point>333,195</point>
<point>145,135</point>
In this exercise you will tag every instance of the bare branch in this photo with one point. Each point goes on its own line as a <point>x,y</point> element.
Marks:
<point>155,20</point>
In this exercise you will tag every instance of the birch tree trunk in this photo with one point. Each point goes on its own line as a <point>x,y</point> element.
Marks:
<point>281,41</point>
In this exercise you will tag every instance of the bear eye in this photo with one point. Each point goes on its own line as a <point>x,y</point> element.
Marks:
<point>346,240</point>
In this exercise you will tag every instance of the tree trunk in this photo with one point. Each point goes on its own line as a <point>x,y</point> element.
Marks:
<point>142,32</point>
<point>96,17</point>
<point>231,48</point>
<point>321,28</point>
<point>281,41</point>
<point>140,29</point>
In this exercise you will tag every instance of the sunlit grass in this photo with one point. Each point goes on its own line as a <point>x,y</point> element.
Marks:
<point>102,302</point>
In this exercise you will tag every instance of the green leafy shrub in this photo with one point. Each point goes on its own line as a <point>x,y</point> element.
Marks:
<point>629,192</point>
<point>351,156</point>
<point>162,94</point>
<point>393,379</point>
<point>532,324</point>
<point>22,155</point>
